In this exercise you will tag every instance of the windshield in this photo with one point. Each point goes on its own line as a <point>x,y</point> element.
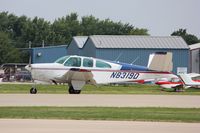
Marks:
<point>61,60</point>
<point>73,61</point>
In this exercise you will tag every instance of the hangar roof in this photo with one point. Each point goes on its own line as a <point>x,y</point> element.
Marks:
<point>135,41</point>
<point>194,46</point>
<point>80,40</point>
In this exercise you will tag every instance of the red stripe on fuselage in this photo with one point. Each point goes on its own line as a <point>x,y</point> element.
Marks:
<point>167,82</point>
<point>88,70</point>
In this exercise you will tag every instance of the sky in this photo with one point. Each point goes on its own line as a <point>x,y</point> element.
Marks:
<point>160,17</point>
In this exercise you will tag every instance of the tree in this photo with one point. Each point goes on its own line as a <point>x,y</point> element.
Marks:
<point>137,31</point>
<point>22,29</point>
<point>17,31</point>
<point>189,38</point>
<point>93,26</point>
<point>108,27</point>
<point>8,53</point>
<point>65,28</point>
<point>39,30</point>
<point>89,25</point>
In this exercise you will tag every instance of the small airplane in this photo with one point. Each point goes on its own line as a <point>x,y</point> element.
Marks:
<point>177,83</point>
<point>80,70</point>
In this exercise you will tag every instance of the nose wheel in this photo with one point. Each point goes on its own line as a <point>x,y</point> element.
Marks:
<point>33,90</point>
<point>73,91</point>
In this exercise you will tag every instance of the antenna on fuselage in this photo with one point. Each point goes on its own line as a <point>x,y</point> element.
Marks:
<point>135,60</point>
<point>118,56</point>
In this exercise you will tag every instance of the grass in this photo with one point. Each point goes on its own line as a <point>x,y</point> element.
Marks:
<point>90,89</point>
<point>103,113</point>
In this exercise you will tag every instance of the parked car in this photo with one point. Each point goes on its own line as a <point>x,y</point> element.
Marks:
<point>1,75</point>
<point>23,76</point>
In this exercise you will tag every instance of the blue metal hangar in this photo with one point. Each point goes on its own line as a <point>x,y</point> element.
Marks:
<point>76,45</point>
<point>47,54</point>
<point>131,49</point>
<point>123,48</point>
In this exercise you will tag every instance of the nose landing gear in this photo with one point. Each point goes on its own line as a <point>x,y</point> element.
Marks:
<point>33,90</point>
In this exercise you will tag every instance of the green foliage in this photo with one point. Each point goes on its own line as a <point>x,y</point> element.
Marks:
<point>189,38</point>
<point>22,29</point>
<point>8,53</point>
<point>138,31</point>
<point>65,28</point>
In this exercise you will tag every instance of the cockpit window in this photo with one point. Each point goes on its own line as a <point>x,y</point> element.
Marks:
<point>102,64</point>
<point>61,60</point>
<point>87,62</point>
<point>73,61</point>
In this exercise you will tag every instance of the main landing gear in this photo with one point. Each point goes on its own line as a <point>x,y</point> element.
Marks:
<point>73,91</point>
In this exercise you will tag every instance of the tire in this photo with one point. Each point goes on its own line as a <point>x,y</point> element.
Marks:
<point>77,91</point>
<point>33,90</point>
<point>72,91</point>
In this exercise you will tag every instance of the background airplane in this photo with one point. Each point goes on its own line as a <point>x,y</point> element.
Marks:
<point>177,83</point>
<point>79,70</point>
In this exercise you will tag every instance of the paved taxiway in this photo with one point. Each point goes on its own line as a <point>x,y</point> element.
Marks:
<point>83,126</point>
<point>100,100</point>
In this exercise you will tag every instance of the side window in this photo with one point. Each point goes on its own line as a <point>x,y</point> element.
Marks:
<point>87,62</point>
<point>73,61</point>
<point>102,64</point>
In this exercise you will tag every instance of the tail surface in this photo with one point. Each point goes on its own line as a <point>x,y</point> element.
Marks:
<point>161,61</point>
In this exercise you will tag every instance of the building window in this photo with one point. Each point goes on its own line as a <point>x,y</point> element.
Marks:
<point>102,64</point>
<point>87,62</point>
<point>73,61</point>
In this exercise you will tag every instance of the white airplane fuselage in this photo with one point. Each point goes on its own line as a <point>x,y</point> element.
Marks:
<point>54,71</point>
<point>92,71</point>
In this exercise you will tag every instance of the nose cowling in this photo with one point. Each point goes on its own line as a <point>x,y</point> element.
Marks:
<point>28,67</point>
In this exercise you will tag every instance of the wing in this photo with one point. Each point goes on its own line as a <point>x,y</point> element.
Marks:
<point>187,80</point>
<point>76,74</point>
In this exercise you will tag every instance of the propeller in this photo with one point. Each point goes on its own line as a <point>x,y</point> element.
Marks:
<point>28,67</point>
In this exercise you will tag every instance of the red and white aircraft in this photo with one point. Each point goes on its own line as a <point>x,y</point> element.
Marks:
<point>180,82</point>
<point>79,70</point>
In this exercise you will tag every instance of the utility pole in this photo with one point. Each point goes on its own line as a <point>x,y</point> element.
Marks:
<point>43,43</point>
<point>29,44</point>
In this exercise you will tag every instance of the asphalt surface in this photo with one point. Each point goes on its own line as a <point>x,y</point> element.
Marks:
<point>89,126</point>
<point>83,126</point>
<point>100,100</point>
